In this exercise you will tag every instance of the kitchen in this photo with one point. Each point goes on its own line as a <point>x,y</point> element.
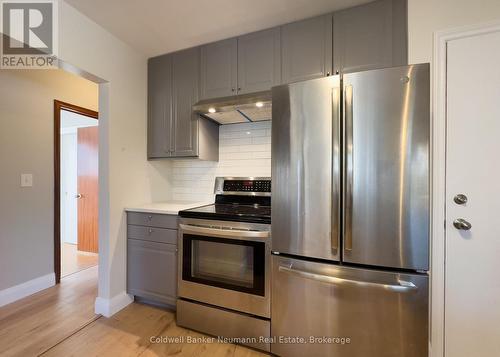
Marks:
<point>235,268</point>
<point>289,184</point>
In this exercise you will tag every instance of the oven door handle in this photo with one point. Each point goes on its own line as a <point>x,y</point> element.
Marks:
<point>229,233</point>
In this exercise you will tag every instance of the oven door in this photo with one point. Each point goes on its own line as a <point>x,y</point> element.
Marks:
<point>226,265</point>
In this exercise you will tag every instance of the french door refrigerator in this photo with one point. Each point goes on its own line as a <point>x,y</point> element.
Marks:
<point>350,215</point>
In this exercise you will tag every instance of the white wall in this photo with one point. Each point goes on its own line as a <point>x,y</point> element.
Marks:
<point>244,150</point>
<point>126,177</point>
<point>26,146</point>
<point>75,120</point>
<point>427,16</point>
<point>69,206</point>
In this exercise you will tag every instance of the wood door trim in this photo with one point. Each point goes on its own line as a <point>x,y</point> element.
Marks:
<point>58,106</point>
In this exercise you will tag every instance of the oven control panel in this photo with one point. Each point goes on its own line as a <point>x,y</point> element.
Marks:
<point>247,186</point>
<point>242,185</point>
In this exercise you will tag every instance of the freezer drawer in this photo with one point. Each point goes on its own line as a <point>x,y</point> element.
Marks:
<point>373,313</point>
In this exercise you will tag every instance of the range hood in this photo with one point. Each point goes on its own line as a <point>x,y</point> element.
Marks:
<point>244,108</point>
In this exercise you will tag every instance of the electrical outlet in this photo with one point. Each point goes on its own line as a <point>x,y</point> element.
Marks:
<point>26,180</point>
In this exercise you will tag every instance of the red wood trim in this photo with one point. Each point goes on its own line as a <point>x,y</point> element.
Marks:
<point>58,106</point>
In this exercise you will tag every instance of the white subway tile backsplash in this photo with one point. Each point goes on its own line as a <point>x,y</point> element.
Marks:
<point>261,140</point>
<point>244,150</point>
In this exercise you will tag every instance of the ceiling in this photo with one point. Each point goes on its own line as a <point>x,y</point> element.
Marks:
<point>155,27</point>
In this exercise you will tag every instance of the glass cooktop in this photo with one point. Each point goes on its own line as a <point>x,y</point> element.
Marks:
<point>231,212</point>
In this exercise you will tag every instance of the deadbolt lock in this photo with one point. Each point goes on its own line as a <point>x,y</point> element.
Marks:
<point>460,199</point>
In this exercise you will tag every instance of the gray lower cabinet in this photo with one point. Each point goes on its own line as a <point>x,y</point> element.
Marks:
<point>173,129</point>
<point>219,69</point>
<point>152,271</point>
<point>259,61</point>
<point>152,257</point>
<point>306,49</point>
<point>370,36</point>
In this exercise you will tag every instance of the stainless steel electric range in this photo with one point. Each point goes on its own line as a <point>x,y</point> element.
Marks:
<point>225,261</point>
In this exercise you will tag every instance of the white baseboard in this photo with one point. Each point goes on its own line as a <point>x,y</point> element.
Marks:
<point>30,287</point>
<point>109,307</point>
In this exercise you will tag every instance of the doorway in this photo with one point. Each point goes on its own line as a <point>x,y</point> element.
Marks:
<point>76,137</point>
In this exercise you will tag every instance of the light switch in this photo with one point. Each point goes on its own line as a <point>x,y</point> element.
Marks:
<point>26,180</point>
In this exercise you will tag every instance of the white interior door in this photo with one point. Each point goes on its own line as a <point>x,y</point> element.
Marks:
<point>472,288</point>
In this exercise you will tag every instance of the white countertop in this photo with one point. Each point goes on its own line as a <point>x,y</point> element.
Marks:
<point>169,207</point>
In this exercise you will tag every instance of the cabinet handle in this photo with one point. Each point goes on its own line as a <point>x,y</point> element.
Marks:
<point>150,217</point>
<point>327,74</point>
<point>239,89</point>
<point>150,231</point>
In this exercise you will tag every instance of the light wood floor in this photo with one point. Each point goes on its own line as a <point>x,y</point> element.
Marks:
<point>60,322</point>
<point>34,324</point>
<point>72,260</point>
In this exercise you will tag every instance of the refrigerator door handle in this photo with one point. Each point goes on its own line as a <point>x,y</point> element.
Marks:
<point>348,124</point>
<point>336,169</point>
<point>401,286</point>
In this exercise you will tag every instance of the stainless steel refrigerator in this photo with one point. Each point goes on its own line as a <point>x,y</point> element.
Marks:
<point>350,214</point>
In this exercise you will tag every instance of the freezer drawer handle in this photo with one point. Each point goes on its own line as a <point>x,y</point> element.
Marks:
<point>403,286</point>
<point>232,233</point>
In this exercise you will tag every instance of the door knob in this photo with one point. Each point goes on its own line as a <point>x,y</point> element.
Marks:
<point>462,224</point>
<point>460,199</point>
<point>79,195</point>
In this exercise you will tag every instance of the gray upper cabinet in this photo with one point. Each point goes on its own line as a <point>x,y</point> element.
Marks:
<point>259,61</point>
<point>159,106</point>
<point>173,129</point>
<point>185,89</point>
<point>306,49</point>
<point>365,37</point>
<point>219,69</point>
<point>370,36</point>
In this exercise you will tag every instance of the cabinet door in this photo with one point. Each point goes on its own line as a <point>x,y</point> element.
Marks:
<point>259,61</point>
<point>306,48</point>
<point>370,36</point>
<point>159,107</point>
<point>185,87</point>
<point>152,270</point>
<point>218,69</point>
